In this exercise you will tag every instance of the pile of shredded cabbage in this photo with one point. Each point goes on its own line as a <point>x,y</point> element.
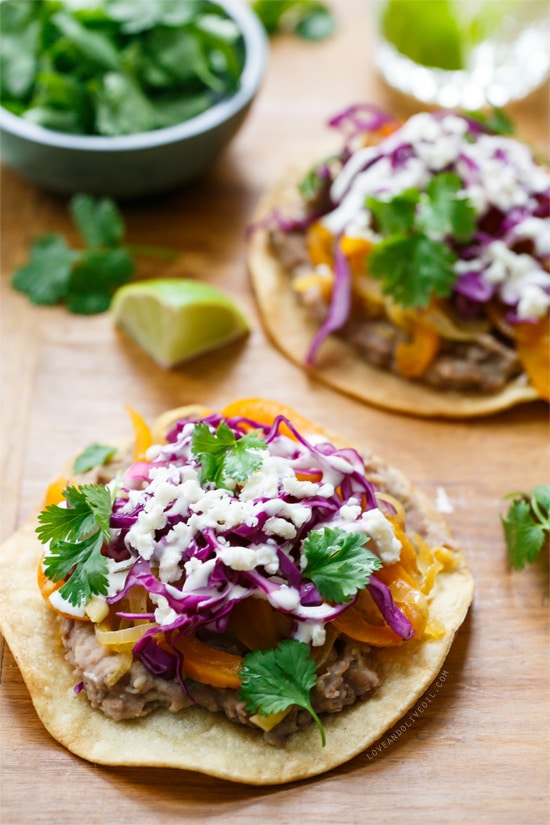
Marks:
<point>508,188</point>
<point>198,550</point>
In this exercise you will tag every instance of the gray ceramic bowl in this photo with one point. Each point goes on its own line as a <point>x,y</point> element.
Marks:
<point>142,164</point>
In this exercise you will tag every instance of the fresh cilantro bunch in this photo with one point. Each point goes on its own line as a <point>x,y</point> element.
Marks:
<point>274,680</point>
<point>338,563</point>
<point>116,67</point>
<point>309,19</point>
<point>415,259</point>
<point>76,534</point>
<point>85,280</point>
<point>225,459</point>
<point>527,526</point>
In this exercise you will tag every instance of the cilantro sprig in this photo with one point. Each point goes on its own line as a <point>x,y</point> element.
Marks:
<point>415,258</point>
<point>338,563</point>
<point>82,279</point>
<point>76,534</point>
<point>274,680</point>
<point>527,525</point>
<point>225,459</point>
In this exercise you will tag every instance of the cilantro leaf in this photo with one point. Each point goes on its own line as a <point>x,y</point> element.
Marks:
<point>20,49</point>
<point>98,221</point>
<point>121,106</point>
<point>46,276</point>
<point>496,121</point>
<point>308,19</point>
<point>94,46</point>
<point>317,23</point>
<point>527,526</point>
<point>139,15</point>
<point>76,534</point>
<point>415,260</point>
<point>274,680</point>
<point>338,563</point>
<point>225,459</point>
<point>397,214</point>
<point>412,268</point>
<point>442,213</point>
<point>95,277</point>
<point>94,455</point>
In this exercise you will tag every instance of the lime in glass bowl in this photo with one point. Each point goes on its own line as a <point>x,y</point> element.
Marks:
<point>464,53</point>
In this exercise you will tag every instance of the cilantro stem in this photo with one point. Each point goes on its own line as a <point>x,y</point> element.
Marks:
<point>319,724</point>
<point>544,520</point>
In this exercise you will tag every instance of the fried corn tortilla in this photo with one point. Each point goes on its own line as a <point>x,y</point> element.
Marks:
<point>196,739</point>
<point>451,372</point>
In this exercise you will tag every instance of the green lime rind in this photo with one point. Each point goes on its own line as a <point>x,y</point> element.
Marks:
<point>177,319</point>
<point>425,31</point>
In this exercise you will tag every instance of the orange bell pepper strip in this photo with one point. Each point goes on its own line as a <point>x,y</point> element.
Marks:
<point>265,412</point>
<point>407,595</point>
<point>356,251</point>
<point>533,344</point>
<point>407,558</point>
<point>143,438</point>
<point>54,492</point>
<point>362,621</point>
<point>353,623</point>
<point>207,665</point>
<point>320,245</point>
<point>46,585</point>
<point>415,356</point>
<point>254,623</point>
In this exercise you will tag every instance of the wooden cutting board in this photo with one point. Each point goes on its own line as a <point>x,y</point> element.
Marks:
<point>475,749</point>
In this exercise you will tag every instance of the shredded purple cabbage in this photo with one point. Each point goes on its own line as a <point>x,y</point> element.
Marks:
<point>383,599</point>
<point>207,603</point>
<point>340,303</point>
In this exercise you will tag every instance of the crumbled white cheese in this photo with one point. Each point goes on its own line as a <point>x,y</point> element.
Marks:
<point>248,558</point>
<point>443,503</point>
<point>536,230</point>
<point>279,527</point>
<point>197,573</point>
<point>169,565</point>
<point>164,614</point>
<point>534,302</point>
<point>311,632</point>
<point>350,512</point>
<point>375,524</point>
<point>301,489</point>
<point>266,481</point>
<point>285,597</point>
<point>295,512</point>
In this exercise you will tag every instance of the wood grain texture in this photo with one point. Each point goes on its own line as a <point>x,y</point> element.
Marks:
<point>475,749</point>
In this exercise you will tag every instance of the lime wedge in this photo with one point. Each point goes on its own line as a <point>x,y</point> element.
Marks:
<point>176,319</point>
<point>426,31</point>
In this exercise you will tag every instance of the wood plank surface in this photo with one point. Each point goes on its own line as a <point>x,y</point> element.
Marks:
<point>476,748</point>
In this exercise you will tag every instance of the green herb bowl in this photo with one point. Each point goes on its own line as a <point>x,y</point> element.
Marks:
<point>146,163</point>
